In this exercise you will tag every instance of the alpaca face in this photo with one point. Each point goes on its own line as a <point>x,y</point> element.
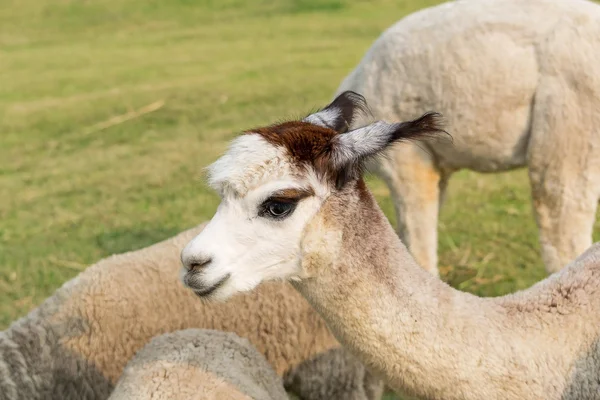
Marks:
<point>272,181</point>
<point>256,231</point>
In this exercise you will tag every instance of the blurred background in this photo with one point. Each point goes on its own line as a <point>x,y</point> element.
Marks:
<point>109,110</point>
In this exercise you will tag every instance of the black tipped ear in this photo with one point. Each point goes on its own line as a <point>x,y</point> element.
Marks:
<point>349,151</point>
<point>340,113</point>
<point>429,125</point>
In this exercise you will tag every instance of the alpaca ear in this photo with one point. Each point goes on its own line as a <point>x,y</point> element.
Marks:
<point>340,114</point>
<point>349,151</point>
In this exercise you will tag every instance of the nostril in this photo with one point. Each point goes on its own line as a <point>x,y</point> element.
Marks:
<point>196,263</point>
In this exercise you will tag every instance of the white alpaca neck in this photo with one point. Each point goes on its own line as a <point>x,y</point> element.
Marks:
<point>421,335</point>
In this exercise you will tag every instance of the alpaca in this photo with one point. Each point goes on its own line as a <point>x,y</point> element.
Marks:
<point>75,345</point>
<point>199,364</point>
<point>310,379</point>
<point>519,82</point>
<point>302,212</point>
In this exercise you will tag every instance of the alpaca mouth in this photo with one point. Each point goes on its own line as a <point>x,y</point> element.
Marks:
<point>204,291</point>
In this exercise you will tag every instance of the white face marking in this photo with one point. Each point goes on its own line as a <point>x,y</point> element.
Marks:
<point>249,162</point>
<point>245,247</point>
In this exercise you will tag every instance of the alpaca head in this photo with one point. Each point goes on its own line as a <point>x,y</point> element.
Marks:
<point>272,181</point>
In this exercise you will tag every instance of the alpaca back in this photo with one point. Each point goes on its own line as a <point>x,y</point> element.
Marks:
<point>482,64</point>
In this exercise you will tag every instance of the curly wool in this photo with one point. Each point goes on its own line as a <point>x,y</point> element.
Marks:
<point>199,364</point>
<point>75,345</point>
<point>310,379</point>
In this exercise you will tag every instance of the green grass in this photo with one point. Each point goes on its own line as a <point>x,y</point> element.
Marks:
<point>77,184</point>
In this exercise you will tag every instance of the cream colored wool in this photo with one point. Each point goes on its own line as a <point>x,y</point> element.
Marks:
<point>199,364</point>
<point>75,345</point>
<point>519,85</point>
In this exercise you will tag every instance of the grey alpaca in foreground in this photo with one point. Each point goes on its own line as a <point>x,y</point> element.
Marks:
<point>199,364</point>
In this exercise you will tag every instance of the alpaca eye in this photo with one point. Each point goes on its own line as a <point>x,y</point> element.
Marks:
<point>277,209</point>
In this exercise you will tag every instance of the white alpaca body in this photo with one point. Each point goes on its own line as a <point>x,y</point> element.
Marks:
<point>519,85</point>
<point>199,364</point>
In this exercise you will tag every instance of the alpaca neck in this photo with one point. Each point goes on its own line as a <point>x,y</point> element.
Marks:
<point>422,336</point>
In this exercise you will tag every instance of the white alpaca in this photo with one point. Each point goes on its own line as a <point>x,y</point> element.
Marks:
<point>294,206</point>
<point>199,364</point>
<point>519,82</point>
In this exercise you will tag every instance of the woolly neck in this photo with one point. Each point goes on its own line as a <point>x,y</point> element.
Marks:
<point>421,335</point>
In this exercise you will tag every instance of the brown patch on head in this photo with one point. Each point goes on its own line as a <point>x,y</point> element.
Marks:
<point>322,139</point>
<point>306,143</point>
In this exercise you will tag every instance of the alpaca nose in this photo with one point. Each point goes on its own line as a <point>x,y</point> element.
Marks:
<point>195,263</point>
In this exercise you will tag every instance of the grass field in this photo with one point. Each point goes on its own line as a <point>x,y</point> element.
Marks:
<point>110,109</point>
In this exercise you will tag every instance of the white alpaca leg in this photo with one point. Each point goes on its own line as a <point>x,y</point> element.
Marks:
<point>563,170</point>
<point>564,148</point>
<point>565,211</point>
<point>416,187</point>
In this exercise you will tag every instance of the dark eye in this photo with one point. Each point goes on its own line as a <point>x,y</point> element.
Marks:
<point>277,209</point>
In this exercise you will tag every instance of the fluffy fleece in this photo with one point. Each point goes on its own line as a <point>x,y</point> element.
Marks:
<point>77,342</point>
<point>519,85</point>
<point>309,379</point>
<point>199,364</point>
